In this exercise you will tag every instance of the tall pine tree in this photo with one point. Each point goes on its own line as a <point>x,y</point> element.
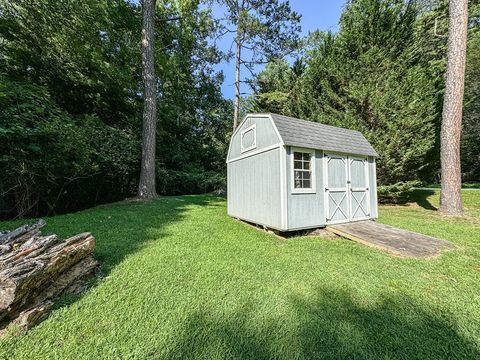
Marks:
<point>450,195</point>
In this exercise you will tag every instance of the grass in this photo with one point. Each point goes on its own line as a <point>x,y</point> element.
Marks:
<point>183,280</point>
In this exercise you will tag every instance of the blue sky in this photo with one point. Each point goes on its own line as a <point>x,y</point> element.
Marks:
<point>316,14</point>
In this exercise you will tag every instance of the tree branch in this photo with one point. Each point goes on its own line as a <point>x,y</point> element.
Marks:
<point>171,19</point>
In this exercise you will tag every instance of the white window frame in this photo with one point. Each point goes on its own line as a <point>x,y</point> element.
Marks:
<point>254,145</point>
<point>312,189</point>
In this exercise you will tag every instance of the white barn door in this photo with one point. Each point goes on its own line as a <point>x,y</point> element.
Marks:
<point>336,190</point>
<point>346,188</point>
<point>359,191</point>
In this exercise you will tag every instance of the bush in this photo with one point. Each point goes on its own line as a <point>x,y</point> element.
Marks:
<point>396,193</point>
<point>175,182</point>
<point>53,162</point>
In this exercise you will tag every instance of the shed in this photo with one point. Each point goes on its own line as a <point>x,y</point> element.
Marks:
<point>291,174</point>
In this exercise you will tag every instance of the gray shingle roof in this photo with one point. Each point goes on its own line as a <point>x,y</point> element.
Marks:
<point>313,135</point>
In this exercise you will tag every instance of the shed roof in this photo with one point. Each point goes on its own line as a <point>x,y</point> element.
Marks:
<point>313,135</point>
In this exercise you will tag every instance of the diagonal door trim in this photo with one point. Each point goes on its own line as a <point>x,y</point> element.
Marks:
<point>357,198</point>
<point>338,205</point>
<point>331,211</point>
<point>359,203</point>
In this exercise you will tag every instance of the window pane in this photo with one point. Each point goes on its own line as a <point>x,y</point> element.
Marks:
<point>302,179</point>
<point>297,179</point>
<point>248,139</point>
<point>302,170</point>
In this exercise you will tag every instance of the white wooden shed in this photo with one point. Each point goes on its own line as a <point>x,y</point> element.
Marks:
<point>291,174</point>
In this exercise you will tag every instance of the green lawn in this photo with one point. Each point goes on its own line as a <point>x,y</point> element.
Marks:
<point>183,280</point>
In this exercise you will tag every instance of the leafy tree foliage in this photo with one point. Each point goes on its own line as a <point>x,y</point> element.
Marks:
<point>278,87</point>
<point>264,30</point>
<point>368,77</point>
<point>76,67</point>
<point>471,113</point>
<point>84,52</point>
<point>51,161</point>
<point>382,74</point>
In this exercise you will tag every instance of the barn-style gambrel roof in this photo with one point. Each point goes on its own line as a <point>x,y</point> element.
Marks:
<point>313,135</point>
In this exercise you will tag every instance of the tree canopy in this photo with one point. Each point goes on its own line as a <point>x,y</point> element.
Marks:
<point>381,74</point>
<point>71,92</point>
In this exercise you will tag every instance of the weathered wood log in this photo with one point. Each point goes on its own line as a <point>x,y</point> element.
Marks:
<point>9,240</point>
<point>35,269</point>
<point>33,315</point>
<point>70,280</point>
<point>20,283</point>
<point>29,249</point>
<point>28,318</point>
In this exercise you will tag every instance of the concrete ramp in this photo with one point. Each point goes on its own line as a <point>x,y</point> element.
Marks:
<point>393,240</point>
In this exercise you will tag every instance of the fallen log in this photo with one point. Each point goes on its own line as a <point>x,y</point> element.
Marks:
<point>32,316</point>
<point>9,240</point>
<point>35,269</point>
<point>70,280</point>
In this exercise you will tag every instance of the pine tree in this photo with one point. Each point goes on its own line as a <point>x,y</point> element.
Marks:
<point>369,77</point>
<point>451,197</point>
<point>146,186</point>
<point>264,30</point>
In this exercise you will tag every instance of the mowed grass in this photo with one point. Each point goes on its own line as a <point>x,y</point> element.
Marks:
<point>183,280</point>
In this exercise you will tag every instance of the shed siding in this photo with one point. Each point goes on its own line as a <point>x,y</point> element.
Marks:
<point>372,175</point>
<point>260,188</point>
<point>306,210</point>
<point>265,132</point>
<point>254,188</point>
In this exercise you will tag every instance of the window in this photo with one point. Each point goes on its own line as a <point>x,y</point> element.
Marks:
<point>303,170</point>
<point>249,138</point>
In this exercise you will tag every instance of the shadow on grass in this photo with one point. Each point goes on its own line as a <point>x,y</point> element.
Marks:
<point>121,228</point>
<point>419,197</point>
<point>332,325</point>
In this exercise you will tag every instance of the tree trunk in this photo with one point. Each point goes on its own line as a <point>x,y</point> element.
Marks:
<point>146,187</point>
<point>450,199</point>
<point>236,112</point>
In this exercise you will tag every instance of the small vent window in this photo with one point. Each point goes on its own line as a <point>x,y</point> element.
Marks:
<point>249,138</point>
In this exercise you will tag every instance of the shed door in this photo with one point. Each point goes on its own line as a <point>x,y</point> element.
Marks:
<point>359,192</point>
<point>346,188</point>
<point>337,199</point>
